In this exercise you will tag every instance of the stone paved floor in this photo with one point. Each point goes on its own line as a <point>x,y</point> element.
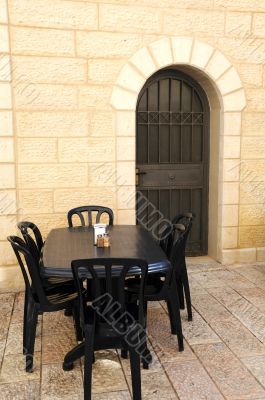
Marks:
<point>224,355</point>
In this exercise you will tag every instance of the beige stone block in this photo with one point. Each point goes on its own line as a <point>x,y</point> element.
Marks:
<point>229,82</point>
<point>125,173</point>
<point>256,99</point>
<point>144,62</point>
<point>129,18</point>
<point>8,202</point>
<point>126,217</point>
<point>94,96</point>
<point>252,171</point>
<point>4,39</point>
<point>122,99</point>
<point>5,96</point>
<point>217,65</point>
<point>235,101</point>
<point>126,149</point>
<point>102,174</point>
<point>131,79</point>
<point>252,192</point>
<point>258,24</point>
<point>252,236</point>
<point>111,45</point>
<point>54,13</point>
<point>250,74</point>
<point>6,150</point>
<point>102,124</point>
<point>247,255</point>
<point>48,97</point>
<point>231,147</point>
<point>238,24</point>
<point>66,199</point>
<point>228,257</point>
<point>201,54</point>
<point>229,238</point>
<point>126,197</point>
<point>6,123</point>
<point>161,52</point>
<point>181,48</point>
<point>7,176</point>
<point>49,70</point>
<point>104,71</point>
<point>52,124</point>
<point>87,150</point>
<point>253,124</point>
<point>125,123</point>
<point>3,12</point>
<point>52,175</point>
<point>231,170</point>
<point>261,254</point>
<point>240,5</point>
<point>251,214</point>
<point>230,193</point>
<point>35,201</point>
<point>7,226</point>
<point>37,150</point>
<point>5,68</point>
<point>35,41</point>
<point>242,49</point>
<point>193,22</point>
<point>252,147</point>
<point>7,254</point>
<point>230,215</point>
<point>232,124</point>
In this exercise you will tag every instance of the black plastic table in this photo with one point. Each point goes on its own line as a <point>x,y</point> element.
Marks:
<point>66,244</point>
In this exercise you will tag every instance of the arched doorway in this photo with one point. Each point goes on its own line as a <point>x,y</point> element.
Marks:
<point>172,151</point>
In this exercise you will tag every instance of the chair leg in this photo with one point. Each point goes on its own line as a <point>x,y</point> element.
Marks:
<point>89,358</point>
<point>174,315</point>
<point>32,318</point>
<point>78,330</point>
<point>180,293</point>
<point>25,322</point>
<point>135,374</point>
<point>185,280</point>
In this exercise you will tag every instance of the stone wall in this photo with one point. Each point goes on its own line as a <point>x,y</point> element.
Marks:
<point>74,65</point>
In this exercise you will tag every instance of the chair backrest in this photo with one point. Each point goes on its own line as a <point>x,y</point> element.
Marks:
<point>108,277</point>
<point>80,211</point>
<point>177,244</point>
<point>32,237</point>
<point>29,268</point>
<point>185,219</point>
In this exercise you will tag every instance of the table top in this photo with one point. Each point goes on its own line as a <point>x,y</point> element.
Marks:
<point>127,241</point>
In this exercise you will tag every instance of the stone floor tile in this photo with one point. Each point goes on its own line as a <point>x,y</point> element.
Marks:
<point>155,366</point>
<point>57,323</point>
<point>229,374</point>
<point>58,384</point>
<point>28,390</point>
<point>6,301</point>
<point>107,373</point>
<point>163,342</point>
<point>14,344</point>
<point>256,296</point>
<point>226,296</point>
<point>209,279</point>
<point>198,331</point>
<point>122,395</point>
<point>234,280</point>
<point>191,381</point>
<point>252,274</point>
<point>256,366</point>
<point>13,369</point>
<point>209,307</point>
<point>156,386</point>
<point>5,317</point>
<point>55,347</point>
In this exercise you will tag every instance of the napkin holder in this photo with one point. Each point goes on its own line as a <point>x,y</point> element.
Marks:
<point>99,229</point>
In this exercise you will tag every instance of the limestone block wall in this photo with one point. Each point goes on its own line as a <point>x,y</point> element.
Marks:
<point>70,72</point>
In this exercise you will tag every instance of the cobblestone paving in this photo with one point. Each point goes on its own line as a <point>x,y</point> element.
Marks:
<point>224,356</point>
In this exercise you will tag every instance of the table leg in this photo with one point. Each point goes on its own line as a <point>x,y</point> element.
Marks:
<point>73,355</point>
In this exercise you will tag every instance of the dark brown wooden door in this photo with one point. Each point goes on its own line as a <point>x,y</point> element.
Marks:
<point>173,152</point>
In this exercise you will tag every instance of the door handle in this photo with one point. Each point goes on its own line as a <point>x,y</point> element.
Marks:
<point>171,177</point>
<point>138,173</point>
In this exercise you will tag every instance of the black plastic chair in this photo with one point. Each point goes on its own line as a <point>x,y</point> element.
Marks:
<point>109,322</point>
<point>164,287</point>
<point>100,210</point>
<point>39,299</point>
<point>33,238</point>
<point>182,278</point>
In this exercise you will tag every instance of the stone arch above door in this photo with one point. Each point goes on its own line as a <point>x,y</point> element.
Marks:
<point>217,72</point>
